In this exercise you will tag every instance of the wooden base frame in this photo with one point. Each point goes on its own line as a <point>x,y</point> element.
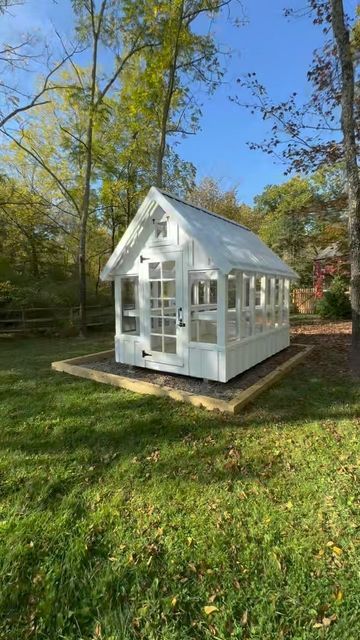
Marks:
<point>234,406</point>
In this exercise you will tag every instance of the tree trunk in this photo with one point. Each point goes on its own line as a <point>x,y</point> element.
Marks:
<point>342,39</point>
<point>82,278</point>
<point>113,232</point>
<point>83,229</point>
<point>84,214</point>
<point>167,104</point>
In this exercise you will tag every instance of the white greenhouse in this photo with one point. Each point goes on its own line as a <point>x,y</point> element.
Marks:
<point>196,294</point>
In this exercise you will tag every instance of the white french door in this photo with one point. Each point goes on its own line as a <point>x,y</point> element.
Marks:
<point>162,307</point>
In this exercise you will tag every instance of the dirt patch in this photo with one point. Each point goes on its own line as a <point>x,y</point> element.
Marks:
<point>225,391</point>
<point>331,340</point>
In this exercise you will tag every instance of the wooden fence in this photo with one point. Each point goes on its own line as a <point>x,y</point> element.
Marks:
<point>51,318</point>
<point>303,301</point>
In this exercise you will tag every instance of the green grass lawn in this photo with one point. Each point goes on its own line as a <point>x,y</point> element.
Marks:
<point>126,516</point>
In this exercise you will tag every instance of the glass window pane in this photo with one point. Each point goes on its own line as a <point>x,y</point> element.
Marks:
<point>130,305</point>
<point>201,292</point>
<point>169,345</point>
<point>155,289</point>
<point>277,291</point>
<point>169,326</point>
<point>168,269</point>
<point>156,343</point>
<point>246,324</point>
<point>155,306</point>
<point>257,292</point>
<point>160,229</point>
<point>285,309</point>
<point>246,291</point>
<point>233,329</point>
<point>204,331</point>
<point>156,325</point>
<point>268,318</point>
<point>268,291</point>
<point>129,292</point>
<point>259,320</point>
<point>169,307</point>
<point>154,270</point>
<point>168,288</point>
<point>130,325</point>
<point>203,288</point>
<point>213,292</point>
<point>231,292</point>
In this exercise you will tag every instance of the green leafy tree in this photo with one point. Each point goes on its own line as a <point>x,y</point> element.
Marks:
<point>188,58</point>
<point>209,194</point>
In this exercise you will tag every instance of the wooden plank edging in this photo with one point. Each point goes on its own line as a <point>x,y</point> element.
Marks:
<point>248,395</point>
<point>73,367</point>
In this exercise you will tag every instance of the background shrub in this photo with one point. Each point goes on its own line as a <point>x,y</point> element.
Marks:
<point>335,304</point>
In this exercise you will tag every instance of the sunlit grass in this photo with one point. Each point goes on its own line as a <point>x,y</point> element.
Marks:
<point>123,516</point>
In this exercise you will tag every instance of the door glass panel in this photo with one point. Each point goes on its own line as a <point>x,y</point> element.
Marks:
<point>169,289</point>
<point>154,270</point>
<point>169,326</point>
<point>155,289</point>
<point>163,306</point>
<point>156,325</point>
<point>156,343</point>
<point>155,306</point>
<point>170,307</point>
<point>168,269</point>
<point>169,345</point>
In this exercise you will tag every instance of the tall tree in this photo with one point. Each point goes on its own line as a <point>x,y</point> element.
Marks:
<point>345,55</point>
<point>122,29</point>
<point>210,195</point>
<point>187,58</point>
<point>307,136</point>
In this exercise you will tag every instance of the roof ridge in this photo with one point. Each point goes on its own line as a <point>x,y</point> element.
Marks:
<point>195,206</point>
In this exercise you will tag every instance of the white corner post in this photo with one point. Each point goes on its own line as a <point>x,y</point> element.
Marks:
<point>272,302</point>
<point>222,309</point>
<point>252,303</point>
<point>263,302</point>
<point>118,315</point>
<point>239,303</point>
<point>286,301</point>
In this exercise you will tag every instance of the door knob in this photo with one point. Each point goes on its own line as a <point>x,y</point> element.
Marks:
<point>180,317</point>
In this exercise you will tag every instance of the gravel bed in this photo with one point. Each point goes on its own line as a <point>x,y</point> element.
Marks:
<point>198,386</point>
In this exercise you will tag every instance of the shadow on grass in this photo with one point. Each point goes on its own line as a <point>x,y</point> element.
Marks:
<point>61,420</point>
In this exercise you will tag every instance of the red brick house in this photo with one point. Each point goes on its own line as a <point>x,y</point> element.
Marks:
<point>328,263</point>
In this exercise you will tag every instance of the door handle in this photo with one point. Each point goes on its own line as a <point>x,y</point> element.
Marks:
<point>180,317</point>
<point>144,354</point>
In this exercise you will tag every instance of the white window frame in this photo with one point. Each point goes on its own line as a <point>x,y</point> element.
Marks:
<point>202,308</point>
<point>119,305</point>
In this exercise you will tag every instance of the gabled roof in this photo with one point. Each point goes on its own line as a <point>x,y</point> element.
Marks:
<point>230,245</point>
<point>331,251</point>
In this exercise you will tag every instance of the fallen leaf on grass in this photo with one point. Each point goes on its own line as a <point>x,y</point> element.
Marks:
<point>244,618</point>
<point>210,609</point>
<point>339,596</point>
<point>337,551</point>
<point>325,622</point>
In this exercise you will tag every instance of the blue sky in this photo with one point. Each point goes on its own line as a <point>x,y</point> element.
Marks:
<point>278,49</point>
